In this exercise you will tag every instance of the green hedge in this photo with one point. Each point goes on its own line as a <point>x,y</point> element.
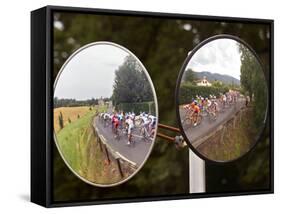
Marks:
<point>187,92</point>
<point>137,107</point>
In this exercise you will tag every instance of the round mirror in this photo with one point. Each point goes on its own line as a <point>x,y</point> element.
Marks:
<point>222,99</point>
<point>105,114</point>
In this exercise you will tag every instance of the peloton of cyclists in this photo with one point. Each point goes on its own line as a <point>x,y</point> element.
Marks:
<point>209,105</point>
<point>126,122</point>
<point>200,105</point>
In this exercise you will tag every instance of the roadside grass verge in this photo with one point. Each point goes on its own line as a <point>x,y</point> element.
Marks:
<point>82,152</point>
<point>235,141</point>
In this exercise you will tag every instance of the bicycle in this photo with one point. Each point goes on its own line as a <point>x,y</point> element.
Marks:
<point>117,134</point>
<point>131,142</point>
<point>188,113</point>
<point>189,122</point>
<point>145,134</point>
<point>212,116</point>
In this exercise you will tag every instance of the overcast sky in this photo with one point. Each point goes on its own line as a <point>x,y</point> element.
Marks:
<point>90,73</point>
<point>219,56</point>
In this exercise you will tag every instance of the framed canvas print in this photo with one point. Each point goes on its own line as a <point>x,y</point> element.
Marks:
<point>137,106</point>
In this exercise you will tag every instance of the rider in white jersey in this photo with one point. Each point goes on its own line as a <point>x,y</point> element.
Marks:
<point>152,124</point>
<point>130,123</point>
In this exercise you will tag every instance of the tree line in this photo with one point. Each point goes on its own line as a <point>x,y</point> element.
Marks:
<point>64,102</point>
<point>253,83</point>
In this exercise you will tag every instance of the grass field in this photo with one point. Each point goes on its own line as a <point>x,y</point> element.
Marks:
<point>237,141</point>
<point>73,137</point>
<point>80,149</point>
<point>69,113</point>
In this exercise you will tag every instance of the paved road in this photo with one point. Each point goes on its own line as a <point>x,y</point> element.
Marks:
<point>136,153</point>
<point>207,126</point>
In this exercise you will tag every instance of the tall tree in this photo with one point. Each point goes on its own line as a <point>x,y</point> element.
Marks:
<point>248,67</point>
<point>254,83</point>
<point>131,84</point>
<point>190,76</point>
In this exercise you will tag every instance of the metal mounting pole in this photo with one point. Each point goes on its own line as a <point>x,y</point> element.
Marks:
<point>197,177</point>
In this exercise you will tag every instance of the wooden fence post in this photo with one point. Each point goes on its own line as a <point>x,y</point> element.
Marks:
<point>99,142</point>
<point>107,155</point>
<point>119,167</point>
<point>222,134</point>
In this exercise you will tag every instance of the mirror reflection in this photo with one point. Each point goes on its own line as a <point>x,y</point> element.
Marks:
<point>222,100</point>
<point>105,114</point>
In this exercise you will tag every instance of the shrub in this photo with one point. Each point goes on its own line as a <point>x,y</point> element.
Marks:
<point>137,107</point>
<point>61,121</point>
<point>188,91</point>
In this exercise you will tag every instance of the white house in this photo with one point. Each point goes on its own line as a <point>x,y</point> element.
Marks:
<point>204,82</point>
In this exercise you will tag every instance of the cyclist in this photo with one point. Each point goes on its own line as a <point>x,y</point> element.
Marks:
<point>186,107</point>
<point>195,114</point>
<point>205,104</point>
<point>201,104</point>
<point>213,107</point>
<point>152,125</point>
<point>146,121</point>
<point>115,125</point>
<point>224,100</point>
<point>120,118</point>
<point>130,126</point>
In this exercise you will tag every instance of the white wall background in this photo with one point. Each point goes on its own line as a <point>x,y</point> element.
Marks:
<point>15,107</point>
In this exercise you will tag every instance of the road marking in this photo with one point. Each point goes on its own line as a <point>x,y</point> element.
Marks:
<point>150,138</point>
<point>134,135</point>
<point>103,138</point>
<point>113,152</point>
<point>126,159</point>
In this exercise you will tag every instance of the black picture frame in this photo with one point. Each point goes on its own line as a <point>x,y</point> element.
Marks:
<point>42,103</point>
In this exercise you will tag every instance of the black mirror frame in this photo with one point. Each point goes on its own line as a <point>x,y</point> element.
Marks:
<point>182,71</point>
<point>66,62</point>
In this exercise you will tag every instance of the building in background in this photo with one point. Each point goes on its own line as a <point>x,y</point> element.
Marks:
<point>203,82</point>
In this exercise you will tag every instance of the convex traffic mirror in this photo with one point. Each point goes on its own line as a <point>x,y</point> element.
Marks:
<point>105,114</point>
<point>222,99</point>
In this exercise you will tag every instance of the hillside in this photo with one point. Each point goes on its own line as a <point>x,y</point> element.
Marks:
<point>215,76</point>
